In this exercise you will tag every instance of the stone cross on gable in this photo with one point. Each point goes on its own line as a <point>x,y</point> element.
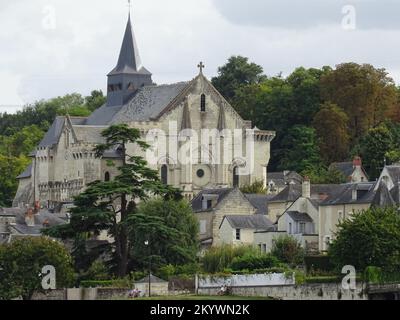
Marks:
<point>201,66</point>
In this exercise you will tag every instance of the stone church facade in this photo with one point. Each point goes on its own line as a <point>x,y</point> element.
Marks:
<point>64,163</point>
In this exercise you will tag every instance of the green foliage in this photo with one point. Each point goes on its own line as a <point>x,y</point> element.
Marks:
<point>251,261</point>
<point>318,264</point>
<point>21,263</point>
<point>256,188</point>
<point>331,125</point>
<point>373,275</point>
<point>236,73</point>
<point>301,151</point>
<point>171,229</point>
<point>288,250</point>
<point>217,259</point>
<point>370,237</point>
<point>95,209</point>
<point>322,175</point>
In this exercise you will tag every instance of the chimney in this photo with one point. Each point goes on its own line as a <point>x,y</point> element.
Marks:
<point>354,194</point>
<point>357,162</point>
<point>30,218</point>
<point>306,188</point>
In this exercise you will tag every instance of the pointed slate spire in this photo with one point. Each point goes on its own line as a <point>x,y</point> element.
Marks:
<point>129,59</point>
<point>221,119</point>
<point>129,75</point>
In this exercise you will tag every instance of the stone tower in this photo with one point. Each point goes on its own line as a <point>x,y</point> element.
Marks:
<point>129,75</point>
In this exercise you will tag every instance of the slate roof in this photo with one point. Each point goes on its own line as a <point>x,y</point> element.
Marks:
<point>299,216</point>
<point>394,173</point>
<point>129,59</point>
<point>27,173</point>
<point>147,104</point>
<point>90,134</point>
<point>284,177</point>
<point>53,134</point>
<point>346,168</point>
<point>383,197</point>
<point>293,191</point>
<point>344,195</point>
<point>197,202</point>
<point>153,279</point>
<point>258,222</point>
<point>260,202</point>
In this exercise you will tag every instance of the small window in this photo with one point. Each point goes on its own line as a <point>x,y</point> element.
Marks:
<point>200,173</point>
<point>130,87</point>
<point>236,177</point>
<point>107,177</point>
<point>340,214</point>
<point>209,204</point>
<point>203,103</point>
<point>290,228</point>
<point>164,174</point>
<point>302,228</point>
<point>203,227</point>
<point>237,234</point>
<point>264,249</point>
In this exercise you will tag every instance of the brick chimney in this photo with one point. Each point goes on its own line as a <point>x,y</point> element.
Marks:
<point>306,188</point>
<point>357,162</point>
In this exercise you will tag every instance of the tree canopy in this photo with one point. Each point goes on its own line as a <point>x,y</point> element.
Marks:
<point>21,264</point>
<point>368,238</point>
<point>106,206</point>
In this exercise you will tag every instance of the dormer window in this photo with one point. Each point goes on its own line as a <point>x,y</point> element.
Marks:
<point>130,87</point>
<point>203,103</point>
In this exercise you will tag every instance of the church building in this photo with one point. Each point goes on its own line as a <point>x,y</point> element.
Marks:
<point>64,162</point>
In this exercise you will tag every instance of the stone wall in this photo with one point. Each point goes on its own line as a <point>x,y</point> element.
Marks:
<point>321,291</point>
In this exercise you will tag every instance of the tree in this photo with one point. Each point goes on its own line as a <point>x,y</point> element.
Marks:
<point>374,147</point>
<point>322,175</point>
<point>237,72</point>
<point>95,100</point>
<point>21,264</point>
<point>171,230</point>
<point>107,205</point>
<point>331,125</point>
<point>301,151</point>
<point>366,94</point>
<point>10,168</point>
<point>368,238</point>
<point>288,250</point>
<point>257,187</point>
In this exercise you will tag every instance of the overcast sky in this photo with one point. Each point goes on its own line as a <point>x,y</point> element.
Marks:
<point>54,47</point>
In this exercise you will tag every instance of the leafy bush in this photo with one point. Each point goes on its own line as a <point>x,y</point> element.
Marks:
<point>217,259</point>
<point>251,261</point>
<point>318,264</point>
<point>373,275</point>
<point>288,250</point>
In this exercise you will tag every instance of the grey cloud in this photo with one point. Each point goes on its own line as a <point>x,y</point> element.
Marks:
<point>290,14</point>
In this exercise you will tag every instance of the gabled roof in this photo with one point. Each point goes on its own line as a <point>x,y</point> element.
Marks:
<point>257,222</point>
<point>344,195</point>
<point>27,173</point>
<point>382,197</point>
<point>147,104</point>
<point>153,279</point>
<point>394,173</point>
<point>346,168</point>
<point>52,136</point>
<point>284,178</point>
<point>292,192</point>
<point>197,202</point>
<point>299,216</point>
<point>260,202</point>
<point>129,58</point>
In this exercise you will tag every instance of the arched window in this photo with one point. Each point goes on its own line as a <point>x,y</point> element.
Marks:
<point>164,174</point>
<point>107,176</point>
<point>203,103</point>
<point>235,177</point>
